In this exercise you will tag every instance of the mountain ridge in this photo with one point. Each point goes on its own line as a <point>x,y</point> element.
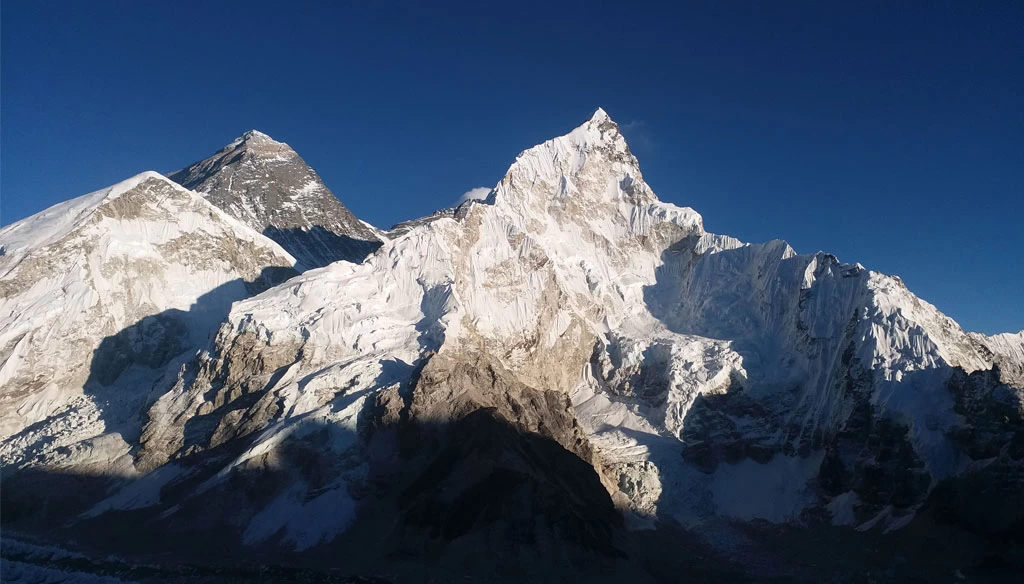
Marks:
<point>88,268</point>
<point>572,316</point>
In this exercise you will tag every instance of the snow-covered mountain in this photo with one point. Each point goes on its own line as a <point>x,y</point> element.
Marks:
<point>97,295</point>
<point>266,185</point>
<point>530,375</point>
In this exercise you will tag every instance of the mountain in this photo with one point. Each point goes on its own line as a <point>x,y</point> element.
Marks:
<point>97,295</point>
<point>266,185</point>
<point>568,380</point>
<point>1007,351</point>
<point>404,227</point>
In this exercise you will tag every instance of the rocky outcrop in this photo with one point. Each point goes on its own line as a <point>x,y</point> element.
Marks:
<point>488,462</point>
<point>987,495</point>
<point>1007,351</point>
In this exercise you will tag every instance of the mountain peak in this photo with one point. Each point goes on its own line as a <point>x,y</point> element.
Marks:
<point>597,137</point>
<point>259,143</point>
<point>257,136</point>
<point>266,184</point>
<point>591,165</point>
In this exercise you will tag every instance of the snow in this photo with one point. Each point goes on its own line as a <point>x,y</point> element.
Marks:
<point>842,508</point>
<point>87,269</point>
<point>308,188</point>
<point>579,280</point>
<point>773,491</point>
<point>141,492</point>
<point>48,225</point>
<point>572,248</point>
<point>475,194</point>
<point>304,522</point>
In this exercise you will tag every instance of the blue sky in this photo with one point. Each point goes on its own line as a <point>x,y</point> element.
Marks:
<point>887,133</point>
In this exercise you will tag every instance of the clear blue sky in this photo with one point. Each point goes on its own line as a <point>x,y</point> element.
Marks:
<point>887,133</point>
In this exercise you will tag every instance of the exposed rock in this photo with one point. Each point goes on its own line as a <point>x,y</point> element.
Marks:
<point>266,185</point>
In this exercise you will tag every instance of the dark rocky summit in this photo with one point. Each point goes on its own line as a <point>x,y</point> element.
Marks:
<point>267,185</point>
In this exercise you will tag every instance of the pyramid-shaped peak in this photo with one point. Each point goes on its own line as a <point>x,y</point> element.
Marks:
<point>255,138</point>
<point>593,153</point>
<point>260,145</point>
<point>266,185</point>
<point>599,135</point>
<point>600,129</point>
<point>256,135</point>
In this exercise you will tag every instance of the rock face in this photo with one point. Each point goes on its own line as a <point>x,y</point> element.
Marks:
<point>481,461</point>
<point>1007,350</point>
<point>520,378</point>
<point>267,186</point>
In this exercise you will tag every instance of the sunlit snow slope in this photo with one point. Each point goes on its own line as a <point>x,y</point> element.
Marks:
<point>97,295</point>
<point>701,377</point>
